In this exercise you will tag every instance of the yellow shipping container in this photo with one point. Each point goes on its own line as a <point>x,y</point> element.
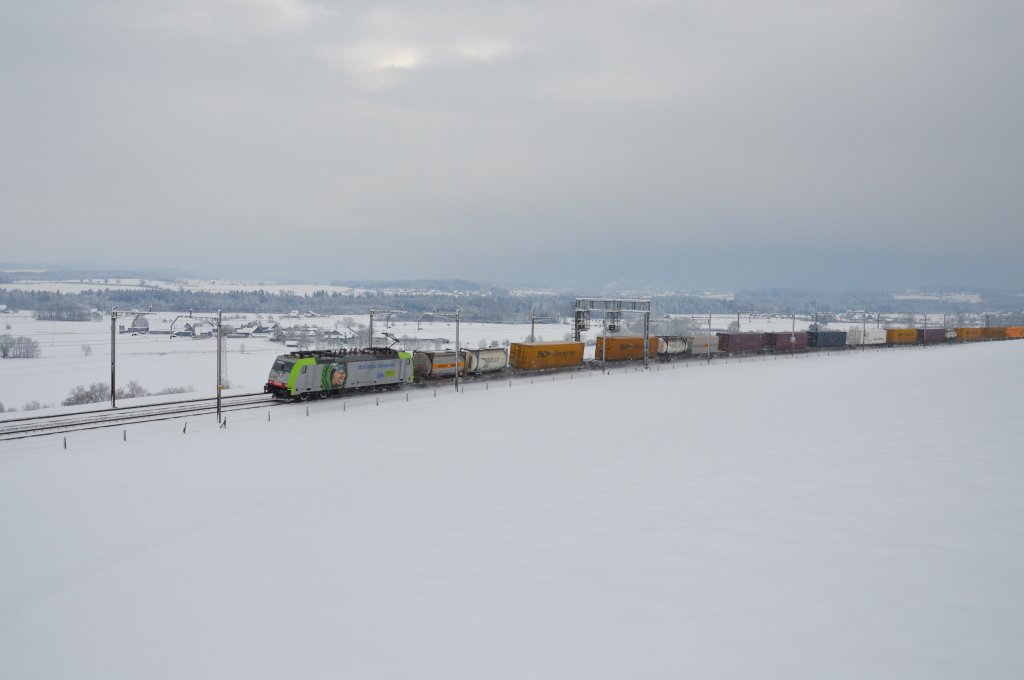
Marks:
<point>968,334</point>
<point>901,336</point>
<point>622,348</point>
<point>994,333</point>
<point>537,355</point>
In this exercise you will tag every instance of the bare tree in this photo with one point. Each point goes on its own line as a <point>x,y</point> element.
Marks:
<point>6,344</point>
<point>86,350</point>
<point>133,389</point>
<point>25,347</point>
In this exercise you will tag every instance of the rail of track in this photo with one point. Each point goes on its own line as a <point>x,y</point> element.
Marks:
<point>38,426</point>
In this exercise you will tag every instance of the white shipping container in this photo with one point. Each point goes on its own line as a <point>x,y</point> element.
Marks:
<point>872,336</point>
<point>701,343</point>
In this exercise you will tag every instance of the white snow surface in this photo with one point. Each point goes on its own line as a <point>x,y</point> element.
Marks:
<point>853,515</point>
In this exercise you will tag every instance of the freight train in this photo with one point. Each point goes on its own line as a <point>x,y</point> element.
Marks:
<point>321,374</point>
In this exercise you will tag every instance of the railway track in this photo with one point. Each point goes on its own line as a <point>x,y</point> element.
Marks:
<point>38,426</point>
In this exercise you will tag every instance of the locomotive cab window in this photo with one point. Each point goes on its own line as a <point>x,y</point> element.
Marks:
<point>285,366</point>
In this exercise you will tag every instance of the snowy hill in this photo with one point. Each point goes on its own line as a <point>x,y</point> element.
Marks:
<point>849,516</point>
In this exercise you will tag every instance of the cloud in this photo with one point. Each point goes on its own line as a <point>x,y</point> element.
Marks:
<point>547,133</point>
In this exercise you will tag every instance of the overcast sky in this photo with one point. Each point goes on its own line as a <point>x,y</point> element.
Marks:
<point>858,144</point>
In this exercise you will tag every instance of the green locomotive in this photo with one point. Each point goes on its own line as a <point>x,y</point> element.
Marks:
<point>321,374</point>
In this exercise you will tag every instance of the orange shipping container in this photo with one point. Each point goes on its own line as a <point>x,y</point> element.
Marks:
<point>901,336</point>
<point>968,334</point>
<point>624,348</point>
<point>1014,332</point>
<point>537,355</point>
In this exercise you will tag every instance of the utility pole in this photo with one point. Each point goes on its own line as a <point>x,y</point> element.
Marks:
<point>218,322</point>
<point>220,345</point>
<point>647,341</point>
<point>709,338</point>
<point>113,349</point>
<point>604,344</point>
<point>113,342</point>
<point>792,337</point>
<point>533,323</point>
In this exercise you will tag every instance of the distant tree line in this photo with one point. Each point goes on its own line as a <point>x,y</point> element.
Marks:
<point>487,305</point>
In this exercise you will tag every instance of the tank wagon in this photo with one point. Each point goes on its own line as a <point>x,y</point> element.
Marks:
<point>670,346</point>
<point>488,360</point>
<point>439,364</point>
<point>303,375</point>
<point>532,356</point>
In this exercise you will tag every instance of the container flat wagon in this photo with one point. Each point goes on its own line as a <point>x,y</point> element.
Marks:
<point>740,343</point>
<point>821,339</point>
<point>621,348</point>
<point>901,336</point>
<point>931,336</point>
<point>786,342</point>
<point>859,337</point>
<point>966,334</point>
<point>701,344</point>
<point>534,356</point>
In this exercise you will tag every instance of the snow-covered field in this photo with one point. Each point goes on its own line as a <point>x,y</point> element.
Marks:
<point>852,516</point>
<point>159,361</point>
